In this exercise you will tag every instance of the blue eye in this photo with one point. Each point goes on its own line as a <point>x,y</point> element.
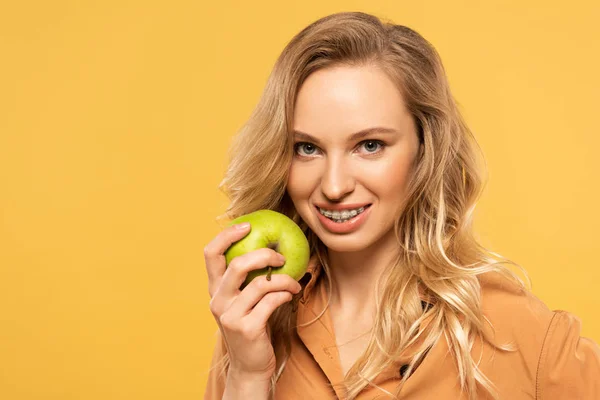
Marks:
<point>305,149</point>
<point>372,146</point>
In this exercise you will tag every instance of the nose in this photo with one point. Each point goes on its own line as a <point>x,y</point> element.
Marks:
<point>338,180</point>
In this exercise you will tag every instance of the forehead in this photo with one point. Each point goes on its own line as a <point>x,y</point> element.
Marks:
<point>346,99</point>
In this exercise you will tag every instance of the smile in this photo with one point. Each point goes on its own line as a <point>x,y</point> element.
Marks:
<point>341,216</point>
<point>343,220</point>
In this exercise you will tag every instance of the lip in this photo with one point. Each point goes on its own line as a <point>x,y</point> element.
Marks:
<point>341,207</point>
<point>344,227</point>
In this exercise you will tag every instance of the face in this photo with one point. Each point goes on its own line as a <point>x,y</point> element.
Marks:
<point>355,147</point>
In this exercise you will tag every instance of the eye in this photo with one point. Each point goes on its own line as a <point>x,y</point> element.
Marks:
<point>372,146</point>
<point>305,149</point>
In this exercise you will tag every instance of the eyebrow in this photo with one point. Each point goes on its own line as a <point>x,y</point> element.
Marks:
<point>355,136</point>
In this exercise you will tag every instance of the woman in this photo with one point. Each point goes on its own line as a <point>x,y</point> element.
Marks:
<point>358,139</point>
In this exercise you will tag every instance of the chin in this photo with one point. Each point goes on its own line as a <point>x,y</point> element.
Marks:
<point>345,244</point>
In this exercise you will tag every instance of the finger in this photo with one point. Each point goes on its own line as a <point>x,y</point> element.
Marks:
<point>214,251</point>
<point>243,304</point>
<point>239,267</point>
<point>228,288</point>
<point>259,316</point>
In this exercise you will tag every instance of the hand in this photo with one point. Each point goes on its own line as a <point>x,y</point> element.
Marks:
<point>242,315</point>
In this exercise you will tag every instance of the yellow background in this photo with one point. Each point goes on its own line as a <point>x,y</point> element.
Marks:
<point>114,124</point>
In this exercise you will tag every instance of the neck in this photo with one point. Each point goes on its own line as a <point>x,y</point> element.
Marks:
<point>355,275</point>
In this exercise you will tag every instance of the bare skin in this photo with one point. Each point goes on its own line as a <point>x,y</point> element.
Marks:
<point>331,167</point>
<point>242,315</point>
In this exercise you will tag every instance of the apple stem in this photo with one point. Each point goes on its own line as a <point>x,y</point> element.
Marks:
<point>269,273</point>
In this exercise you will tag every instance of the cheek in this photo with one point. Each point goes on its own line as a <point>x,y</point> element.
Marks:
<point>300,182</point>
<point>388,180</point>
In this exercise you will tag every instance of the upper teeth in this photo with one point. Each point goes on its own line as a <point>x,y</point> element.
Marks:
<point>341,214</point>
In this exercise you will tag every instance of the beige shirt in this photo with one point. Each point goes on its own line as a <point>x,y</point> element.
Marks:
<point>553,360</point>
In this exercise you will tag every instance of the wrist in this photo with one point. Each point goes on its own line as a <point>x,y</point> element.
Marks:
<point>245,376</point>
<point>245,385</point>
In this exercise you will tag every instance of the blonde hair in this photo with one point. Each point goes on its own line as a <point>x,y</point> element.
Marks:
<point>438,253</point>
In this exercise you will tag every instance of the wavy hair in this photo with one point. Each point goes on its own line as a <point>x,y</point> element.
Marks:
<point>438,252</point>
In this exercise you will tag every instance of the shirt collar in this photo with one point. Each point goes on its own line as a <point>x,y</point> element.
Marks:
<point>315,329</point>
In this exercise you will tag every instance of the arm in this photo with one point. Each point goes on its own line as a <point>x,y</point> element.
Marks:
<point>569,365</point>
<point>245,388</point>
<point>234,385</point>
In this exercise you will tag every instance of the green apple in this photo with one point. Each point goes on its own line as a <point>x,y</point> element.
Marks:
<point>274,230</point>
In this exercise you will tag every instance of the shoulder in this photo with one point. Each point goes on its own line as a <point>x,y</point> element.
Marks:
<point>515,316</point>
<point>562,364</point>
<point>515,312</point>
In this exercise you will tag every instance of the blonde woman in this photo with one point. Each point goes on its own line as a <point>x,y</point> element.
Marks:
<point>358,139</point>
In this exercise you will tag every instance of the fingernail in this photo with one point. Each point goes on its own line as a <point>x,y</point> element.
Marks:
<point>243,225</point>
<point>281,257</point>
